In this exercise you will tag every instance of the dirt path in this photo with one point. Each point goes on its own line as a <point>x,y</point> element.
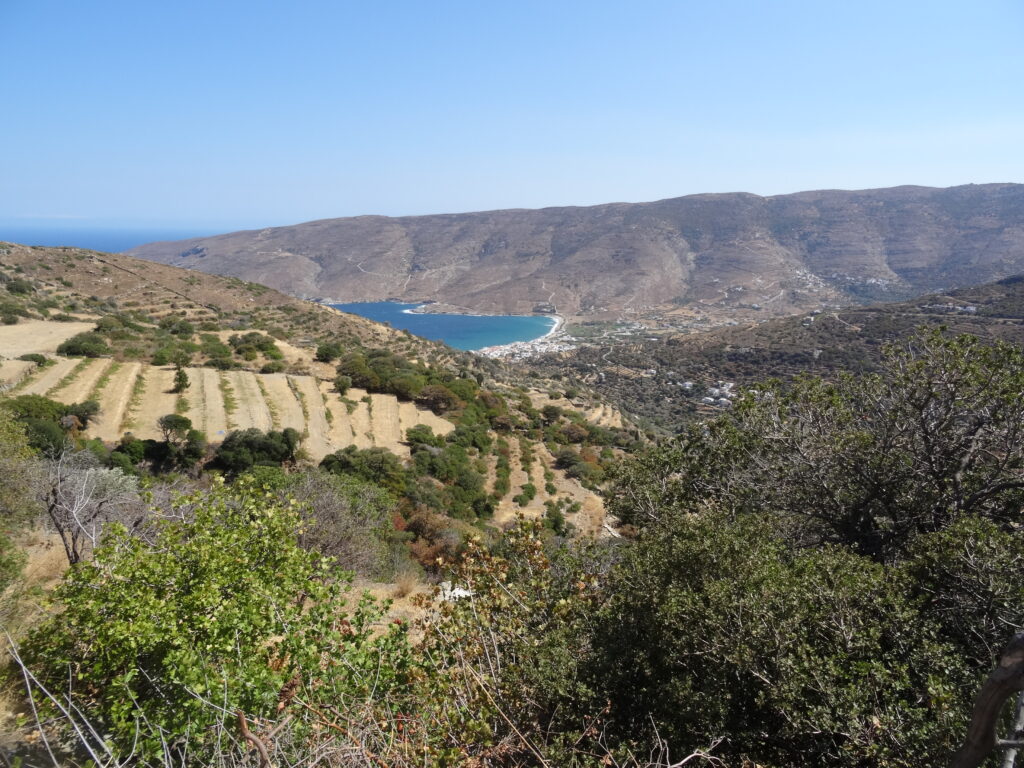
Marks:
<point>362,434</point>
<point>116,395</point>
<point>251,409</point>
<point>318,441</point>
<point>48,378</point>
<point>283,404</point>
<point>78,390</point>
<point>340,433</point>
<point>206,404</point>
<point>387,431</point>
<point>157,400</point>
<point>37,336</point>
<point>13,371</point>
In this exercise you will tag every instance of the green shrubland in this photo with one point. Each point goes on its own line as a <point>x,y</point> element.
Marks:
<point>821,575</point>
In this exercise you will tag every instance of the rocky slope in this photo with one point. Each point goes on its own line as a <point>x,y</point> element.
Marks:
<point>730,252</point>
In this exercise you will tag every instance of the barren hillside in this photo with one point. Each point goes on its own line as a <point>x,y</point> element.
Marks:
<point>737,253</point>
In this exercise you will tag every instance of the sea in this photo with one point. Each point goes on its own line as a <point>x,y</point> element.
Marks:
<point>108,240</point>
<point>468,332</point>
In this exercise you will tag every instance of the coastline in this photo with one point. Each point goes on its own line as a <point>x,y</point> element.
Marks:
<point>533,346</point>
<point>552,341</point>
<point>558,325</point>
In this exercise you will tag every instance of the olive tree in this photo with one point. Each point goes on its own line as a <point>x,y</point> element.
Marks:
<point>80,498</point>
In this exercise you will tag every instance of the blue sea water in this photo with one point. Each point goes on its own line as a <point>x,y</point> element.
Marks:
<point>459,331</point>
<point>107,240</point>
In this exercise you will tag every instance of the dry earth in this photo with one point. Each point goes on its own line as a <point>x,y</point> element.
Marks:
<point>41,336</point>
<point>318,429</point>
<point>157,400</point>
<point>286,409</point>
<point>114,401</point>
<point>47,378</point>
<point>81,387</point>
<point>206,404</point>
<point>13,371</point>
<point>251,411</point>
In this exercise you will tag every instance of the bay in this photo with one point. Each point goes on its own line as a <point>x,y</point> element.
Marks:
<point>469,332</point>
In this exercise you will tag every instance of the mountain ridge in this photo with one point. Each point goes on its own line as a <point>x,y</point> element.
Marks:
<point>719,253</point>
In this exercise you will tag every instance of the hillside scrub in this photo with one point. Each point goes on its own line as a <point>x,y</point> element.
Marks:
<point>867,462</point>
<point>150,633</point>
<point>746,622</point>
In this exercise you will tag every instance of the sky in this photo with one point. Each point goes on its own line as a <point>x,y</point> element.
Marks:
<point>220,114</point>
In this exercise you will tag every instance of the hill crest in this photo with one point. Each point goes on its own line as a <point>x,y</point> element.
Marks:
<point>728,254</point>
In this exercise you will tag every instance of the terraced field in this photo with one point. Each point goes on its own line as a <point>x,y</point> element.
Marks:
<point>114,399</point>
<point>13,371</point>
<point>206,403</point>
<point>589,520</point>
<point>46,379</point>
<point>81,387</point>
<point>37,336</point>
<point>134,396</point>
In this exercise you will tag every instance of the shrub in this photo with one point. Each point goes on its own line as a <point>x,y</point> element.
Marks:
<point>437,398</point>
<point>868,462</point>
<point>88,344</point>
<point>342,384</point>
<point>377,465</point>
<point>148,634</point>
<point>329,351</point>
<point>181,382</point>
<point>714,627</point>
<point>243,450</point>
<point>20,286</point>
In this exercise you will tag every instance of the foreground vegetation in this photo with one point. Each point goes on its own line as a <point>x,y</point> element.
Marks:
<point>820,576</point>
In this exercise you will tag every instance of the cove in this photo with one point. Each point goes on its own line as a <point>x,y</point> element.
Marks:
<point>469,332</point>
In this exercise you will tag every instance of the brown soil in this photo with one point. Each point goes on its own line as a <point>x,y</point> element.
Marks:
<point>114,402</point>
<point>157,400</point>
<point>340,433</point>
<point>206,404</point>
<point>387,432</point>
<point>39,336</point>
<point>46,379</point>
<point>318,439</point>
<point>362,436</point>
<point>13,371</point>
<point>251,409</point>
<point>79,390</point>
<point>287,410</point>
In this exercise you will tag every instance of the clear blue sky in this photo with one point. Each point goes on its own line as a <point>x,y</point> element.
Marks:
<point>225,114</point>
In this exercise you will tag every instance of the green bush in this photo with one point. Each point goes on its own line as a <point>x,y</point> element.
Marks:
<point>20,286</point>
<point>88,344</point>
<point>714,628</point>
<point>176,636</point>
<point>245,449</point>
